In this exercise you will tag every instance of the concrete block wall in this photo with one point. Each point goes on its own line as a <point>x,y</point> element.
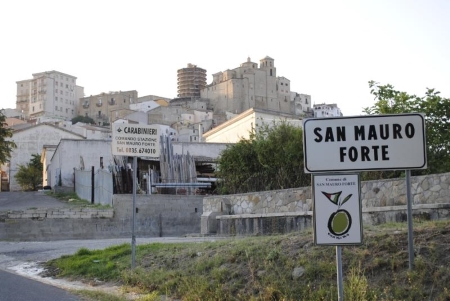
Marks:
<point>157,215</point>
<point>161,215</point>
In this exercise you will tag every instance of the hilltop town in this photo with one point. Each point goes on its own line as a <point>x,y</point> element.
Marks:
<point>52,113</point>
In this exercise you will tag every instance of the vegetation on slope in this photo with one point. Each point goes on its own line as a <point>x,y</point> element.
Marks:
<point>281,267</point>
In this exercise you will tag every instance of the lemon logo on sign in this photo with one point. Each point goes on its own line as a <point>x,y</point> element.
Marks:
<point>340,221</point>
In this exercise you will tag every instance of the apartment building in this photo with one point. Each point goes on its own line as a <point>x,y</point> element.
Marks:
<point>49,94</point>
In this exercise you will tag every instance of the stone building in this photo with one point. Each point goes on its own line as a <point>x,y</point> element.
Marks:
<point>50,94</point>
<point>104,108</point>
<point>253,86</point>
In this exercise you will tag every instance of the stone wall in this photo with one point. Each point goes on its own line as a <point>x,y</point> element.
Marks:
<point>431,189</point>
<point>375,195</point>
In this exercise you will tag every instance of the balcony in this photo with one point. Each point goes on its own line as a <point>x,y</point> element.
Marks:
<point>86,105</point>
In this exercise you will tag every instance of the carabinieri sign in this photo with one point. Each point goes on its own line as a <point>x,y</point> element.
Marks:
<point>135,140</point>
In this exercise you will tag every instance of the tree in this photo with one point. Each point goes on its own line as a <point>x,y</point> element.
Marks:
<point>29,176</point>
<point>437,123</point>
<point>271,158</point>
<point>84,119</point>
<point>5,145</point>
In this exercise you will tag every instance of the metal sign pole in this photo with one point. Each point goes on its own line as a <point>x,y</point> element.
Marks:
<point>339,273</point>
<point>133,237</point>
<point>410,223</point>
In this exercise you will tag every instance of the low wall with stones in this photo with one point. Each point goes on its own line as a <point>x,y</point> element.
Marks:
<point>382,200</point>
<point>43,213</point>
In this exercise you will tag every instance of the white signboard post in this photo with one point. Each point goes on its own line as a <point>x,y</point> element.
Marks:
<point>358,143</point>
<point>374,142</point>
<point>337,209</point>
<point>135,140</point>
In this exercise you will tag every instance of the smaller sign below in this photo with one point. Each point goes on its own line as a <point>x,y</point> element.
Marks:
<point>337,209</point>
<point>135,140</point>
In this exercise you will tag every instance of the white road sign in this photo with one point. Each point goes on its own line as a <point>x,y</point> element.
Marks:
<point>337,209</point>
<point>135,140</point>
<point>374,142</point>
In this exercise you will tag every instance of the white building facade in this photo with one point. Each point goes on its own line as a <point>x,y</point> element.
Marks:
<point>31,141</point>
<point>241,126</point>
<point>79,154</point>
<point>50,94</point>
<point>326,110</point>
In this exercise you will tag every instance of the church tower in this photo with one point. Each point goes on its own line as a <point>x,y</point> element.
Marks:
<point>268,64</point>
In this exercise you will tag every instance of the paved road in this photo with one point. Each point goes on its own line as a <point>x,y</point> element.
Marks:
<point>17,288</point>
<point>25,200</point>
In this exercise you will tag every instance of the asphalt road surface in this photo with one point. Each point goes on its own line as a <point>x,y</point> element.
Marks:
<point>17,288</point>
<point>26,200</point>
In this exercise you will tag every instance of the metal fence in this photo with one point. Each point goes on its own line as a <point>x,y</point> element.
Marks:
<point>103,186</point>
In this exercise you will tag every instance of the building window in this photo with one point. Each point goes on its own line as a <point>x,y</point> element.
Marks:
<point>33,108</point>
<point>270,72</point>
<point>99,113</point>
<point>56,108</point>
<point>61,84</point>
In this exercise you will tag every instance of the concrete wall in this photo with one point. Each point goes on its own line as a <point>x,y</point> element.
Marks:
<point>161,215</point>
<point>103,186</point>
<point>157,215</point>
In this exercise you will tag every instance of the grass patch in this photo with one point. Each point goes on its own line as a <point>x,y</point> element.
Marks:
<point>88,295</point>
<point>261,268</point>
<point>73,199</point>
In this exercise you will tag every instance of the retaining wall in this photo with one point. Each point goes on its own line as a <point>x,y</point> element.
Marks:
<point>382,201</point>
<point>157,215</point>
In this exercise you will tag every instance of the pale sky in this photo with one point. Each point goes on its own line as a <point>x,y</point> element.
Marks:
<point>327,49</point>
